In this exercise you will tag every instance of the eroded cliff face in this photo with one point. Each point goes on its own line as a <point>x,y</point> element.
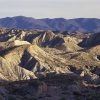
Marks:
<point>41,55</point>
<point>92,40</point>
<point>42,52</point>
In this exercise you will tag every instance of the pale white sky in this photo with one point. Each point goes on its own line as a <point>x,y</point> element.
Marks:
<point>50,8</point>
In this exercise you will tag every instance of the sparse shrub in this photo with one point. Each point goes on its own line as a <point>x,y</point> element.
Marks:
<point>11,98</point>
<point>63,98</point>
<point>65,93</point>
<point>32,98</point>
<point>48,95</point>
<point>40,97</point>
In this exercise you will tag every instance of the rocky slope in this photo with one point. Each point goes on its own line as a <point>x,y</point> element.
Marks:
<point>91,41</point>
<point>46,65</point>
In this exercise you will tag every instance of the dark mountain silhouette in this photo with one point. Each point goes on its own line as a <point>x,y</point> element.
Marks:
<point>84,25</point>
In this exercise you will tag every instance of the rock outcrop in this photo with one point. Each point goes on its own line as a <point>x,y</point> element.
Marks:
<point>38,64</point>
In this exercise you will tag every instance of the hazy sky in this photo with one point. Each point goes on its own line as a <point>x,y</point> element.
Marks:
<point>50,8</point>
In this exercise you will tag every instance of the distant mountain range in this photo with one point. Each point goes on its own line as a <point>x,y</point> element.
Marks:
<point>85,25</point>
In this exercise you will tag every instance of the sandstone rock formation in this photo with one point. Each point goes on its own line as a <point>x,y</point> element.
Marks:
<point>53,61</point>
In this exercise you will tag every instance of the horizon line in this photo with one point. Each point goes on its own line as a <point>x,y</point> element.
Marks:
<point>49,17</point>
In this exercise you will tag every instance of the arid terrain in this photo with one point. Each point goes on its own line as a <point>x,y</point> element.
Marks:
<point>49,65</point>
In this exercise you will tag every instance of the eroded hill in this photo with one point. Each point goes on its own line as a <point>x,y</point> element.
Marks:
<point>47,57</point>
